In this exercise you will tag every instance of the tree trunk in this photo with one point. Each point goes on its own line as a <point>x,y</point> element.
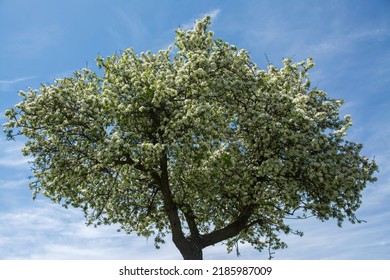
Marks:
<point>188,248</point>
<point>191,247</point>
<point>190,251</point>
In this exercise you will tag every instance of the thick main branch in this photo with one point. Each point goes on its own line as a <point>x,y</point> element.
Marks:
<point>227,232</point>
<point>169,205</point>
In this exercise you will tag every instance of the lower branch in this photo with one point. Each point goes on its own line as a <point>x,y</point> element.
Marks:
<point>227,232</point>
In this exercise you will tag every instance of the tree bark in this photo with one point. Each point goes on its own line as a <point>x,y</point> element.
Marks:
<point>229,231</point>
<point>191,247</point>
<point>187,247</point>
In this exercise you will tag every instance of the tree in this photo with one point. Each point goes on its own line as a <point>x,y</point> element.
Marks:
<point>195,141</point>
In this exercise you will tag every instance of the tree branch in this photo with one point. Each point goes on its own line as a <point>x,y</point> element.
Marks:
<point>190,218</point>
<point>227,232</point>
<point>169,205</point>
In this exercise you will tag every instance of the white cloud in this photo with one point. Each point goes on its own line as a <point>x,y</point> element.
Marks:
<point>48,231</point>
<point>17,80</point>
<point>33,41</point>
<point>13,184</point>
<point>370,34</point>
<point>10,161</point>
<point>132,22</point>
<point>345,40</point>
<point>64,74</point>
<point>6,85</point>
<point>212,13</point>
<point>12,157</point>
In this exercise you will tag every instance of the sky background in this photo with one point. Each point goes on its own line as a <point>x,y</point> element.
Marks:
<point>348,40</point>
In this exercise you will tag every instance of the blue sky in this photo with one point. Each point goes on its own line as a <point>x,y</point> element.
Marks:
<point>349,41</point>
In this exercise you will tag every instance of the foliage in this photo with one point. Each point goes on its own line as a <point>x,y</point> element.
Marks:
<point>194,140</point>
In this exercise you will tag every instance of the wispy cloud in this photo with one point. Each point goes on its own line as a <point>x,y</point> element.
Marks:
<point>32,41</point>
<point>60,75</point>
<point>14,81</point>
<point>47,231</point>
<point>345,40</point>
<point>11,156</point>
<point>212,13</point>
<point>13,184</point>
<point>380,33</point>
<point>6,85</point>
<point>132,22</point>
<point>349,242</point>
<point>10,161</point>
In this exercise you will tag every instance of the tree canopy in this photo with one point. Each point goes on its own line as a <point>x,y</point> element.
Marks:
<point>195,141</point>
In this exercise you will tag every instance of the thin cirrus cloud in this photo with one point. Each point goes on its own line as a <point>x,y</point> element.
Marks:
<point>346,41</point>
<point>6,85</point>
<point>133,26</point>
<point>14,81</point>
<point>32,41</point>
<point>212,13</point>
<point>13,184</point>
<point>66,237</point>
<point>11,156</point>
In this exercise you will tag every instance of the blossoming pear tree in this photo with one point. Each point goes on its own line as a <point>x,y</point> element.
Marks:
<point>194,141</point>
